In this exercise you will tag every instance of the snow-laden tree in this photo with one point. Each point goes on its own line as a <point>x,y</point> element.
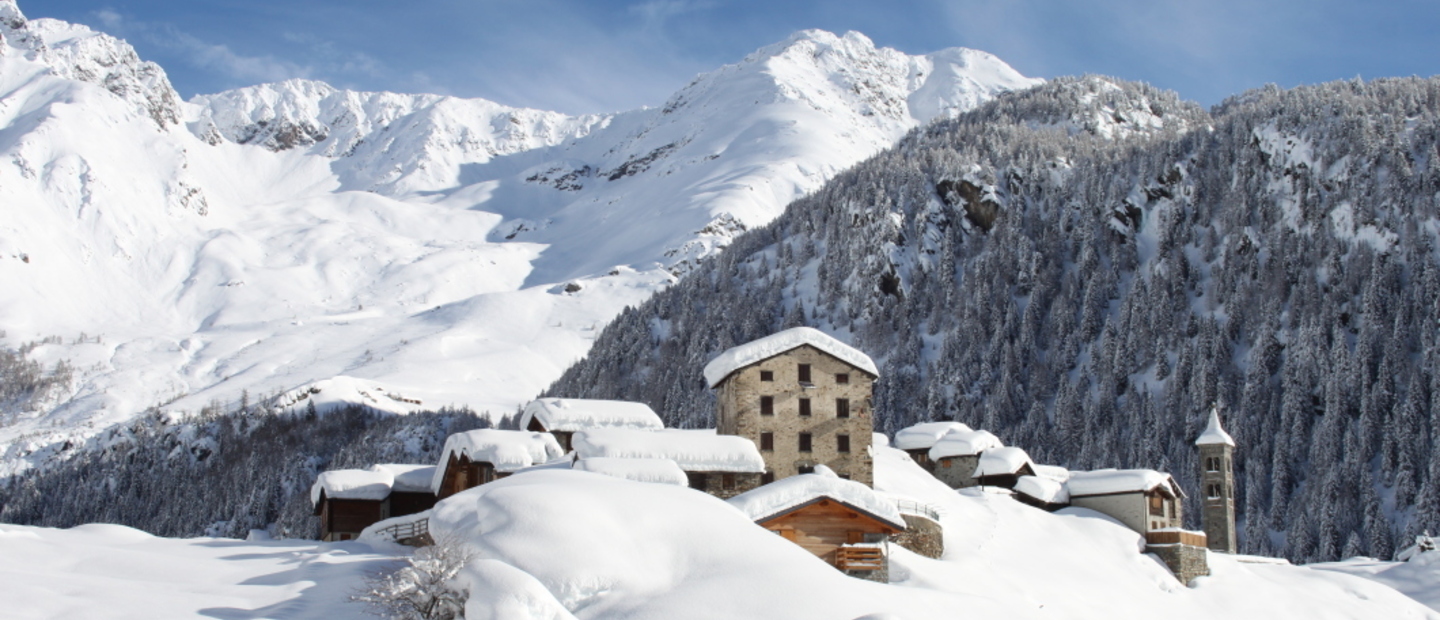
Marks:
<point>424,586</point>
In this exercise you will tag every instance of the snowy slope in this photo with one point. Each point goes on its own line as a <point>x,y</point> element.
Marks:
<point>402,251</point>
<point>560,543</point>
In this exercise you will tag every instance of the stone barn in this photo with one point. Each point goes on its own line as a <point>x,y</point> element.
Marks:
<point>841,521</point>
<point>918,439</point>
<point>956,455</point>
<point>473,458</point>
<point>721,465</point>
<point>803,397</point>
<point>563,417</point>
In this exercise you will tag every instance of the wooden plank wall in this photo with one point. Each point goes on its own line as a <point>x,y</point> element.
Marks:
<point>823,526</point>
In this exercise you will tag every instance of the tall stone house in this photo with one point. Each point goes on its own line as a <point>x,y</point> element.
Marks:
<point>803,397</point>
<point>1217,481</point>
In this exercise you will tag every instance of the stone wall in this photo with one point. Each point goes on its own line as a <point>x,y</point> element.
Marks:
<point>1186,561</point>
<point>922,536</point>
<point>739,413</point>
<point>957,471</point>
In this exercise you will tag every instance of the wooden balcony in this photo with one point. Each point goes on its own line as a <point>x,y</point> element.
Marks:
<point>868,557</point>
<point>1175,537</point>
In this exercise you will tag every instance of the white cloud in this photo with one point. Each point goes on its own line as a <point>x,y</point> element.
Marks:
<point>226,61</point>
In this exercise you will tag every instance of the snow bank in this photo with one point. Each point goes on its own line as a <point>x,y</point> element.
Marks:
<point>692,450</point>
<point>368,484</point>
<point>1106,481</point>
<point>925,434</point>
<point>789,493</point>
<point>1043,489</point>
<point>577,414</point>
<point>508,451</point>
<point>746,354</point>
<point>1418,577</point>
<point>663,471</point>
<point>1002,461</point>
<point>964,443</point>
<point>1214,433</point>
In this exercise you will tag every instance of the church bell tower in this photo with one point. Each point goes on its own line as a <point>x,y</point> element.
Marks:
<point>1217,481</point>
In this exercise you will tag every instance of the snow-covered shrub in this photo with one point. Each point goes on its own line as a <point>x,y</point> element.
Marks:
<point>424,587</point>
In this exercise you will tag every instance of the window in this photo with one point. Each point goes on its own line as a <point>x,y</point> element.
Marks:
<point>804,442</point>
<point>767,375</point>
<point>842,378</point>
<point>767,405</point>
<point>697,481</point>
<point>1212,463</point>
<point>844,476</point>
<point>727,482</point>
<point>805,407</point>
<point>767,477</point>
<point>1213,491</point>
<point>842,407</point>
<point>1157,506</point>
<point>767,441</point>
<point>806,469</point>
<point>842,443</point>
<point>854,536</point>
<point>804,373</point>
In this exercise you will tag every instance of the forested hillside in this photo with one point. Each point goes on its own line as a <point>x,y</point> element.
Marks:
<point>1085,267</point>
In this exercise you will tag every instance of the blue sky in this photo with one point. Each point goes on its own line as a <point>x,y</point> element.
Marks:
<point>605,55</point>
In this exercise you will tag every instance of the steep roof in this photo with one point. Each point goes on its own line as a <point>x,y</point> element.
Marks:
<point>576,414</point>
<point>765,348</point>
<point>924,435</point>
<point>1111,481</point>
<point>1214,433</point>
<point>782,496</point>
<point>964,443</point>
<point>692,450</point>
<point>508,451</point>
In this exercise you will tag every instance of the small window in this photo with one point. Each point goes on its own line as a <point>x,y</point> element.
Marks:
<point>1157,506</point>
<point>767,405</point>
<point>844,476</point>
<point>727,482</point>
<point>806,469</point>
<point>804,442</point>
<point>805,407</point>
<point>767,375</point>
<point>697,480</point>
<point>804,373</point>
<point>842,443</point>
<point>854,536</point>
<point>1212,463</point>
<point>767,477</point>
<point>767,441</point>
<point>842,407</point>
<point>1212,491</point>
<point>842,378</point>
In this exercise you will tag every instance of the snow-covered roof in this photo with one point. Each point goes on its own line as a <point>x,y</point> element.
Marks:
<point>663,471</point>
<point>1052,472</point>
<point>577,414</point>
<point>408,478</point>
<point>1043,489</point>
<point>964,443</point>
<point>1109,481</point>
<point>787,494</point>
<point>998,461</point>
<point>746,354</point>
<point>1214,433</point>
<point>508,451</point>
<point>925,434</point>
<point>692,450</point>
<point>367,484</point>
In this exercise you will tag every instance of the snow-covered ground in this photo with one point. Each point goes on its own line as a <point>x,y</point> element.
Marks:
<point>401,251</point>
<point>562,544</point>
<point>1418,578</point>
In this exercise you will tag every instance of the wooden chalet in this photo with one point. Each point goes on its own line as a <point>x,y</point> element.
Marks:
<point>563,417</point>
<point>473,458</point>
<point>1003,467</point>
<point>350,500</point>
<point>842,522</point>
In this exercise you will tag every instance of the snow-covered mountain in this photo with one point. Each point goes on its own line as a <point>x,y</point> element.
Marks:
<point>404,251</point>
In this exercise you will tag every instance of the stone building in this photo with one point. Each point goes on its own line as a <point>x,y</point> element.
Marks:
<point>1217,482</point>
<point>803,397</point>
<point>563,417</point>
<point>1143,499</point>
<point>917,440</point>
<point>1003,467</point>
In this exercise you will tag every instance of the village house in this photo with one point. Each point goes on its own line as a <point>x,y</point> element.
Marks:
<point>473,458</point>
<point>1143,499</point>
<point>562,417</point>
<point>1002,467</point>
<point>720,465</point>
<point>918,439</point>
<point>842,522</point>
<point>956,456</point>
<point>350,500</point>
<point>803,397</point>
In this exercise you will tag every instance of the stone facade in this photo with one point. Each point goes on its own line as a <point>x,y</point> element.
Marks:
<point>1217,500</point>
<point>957,471</point>
<point>923,536</point>
<point>775,384</point>
<point>723,485</point>
<point>1186,561</point>
<point>1135,509</point>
